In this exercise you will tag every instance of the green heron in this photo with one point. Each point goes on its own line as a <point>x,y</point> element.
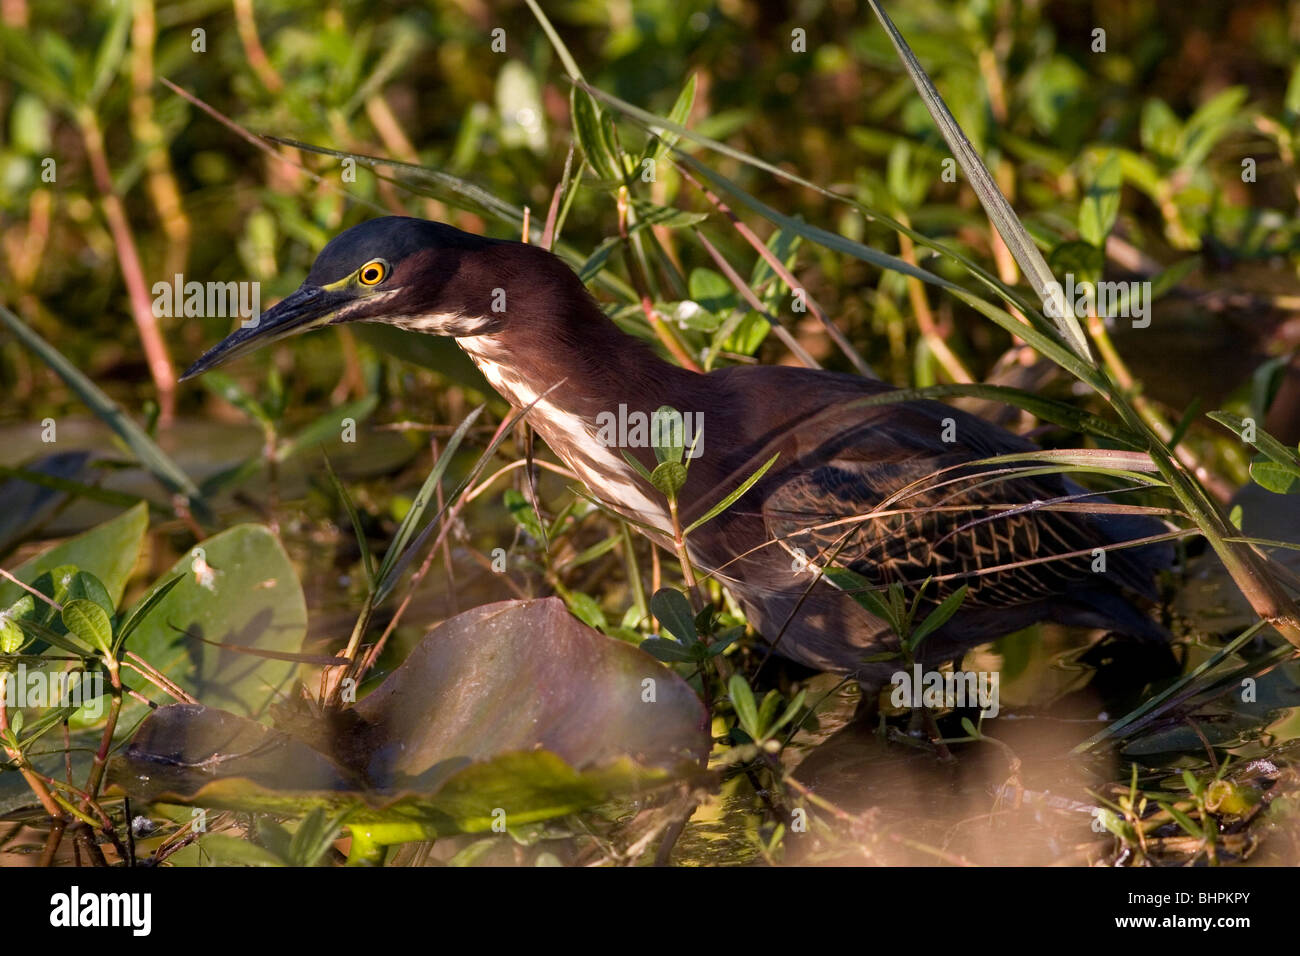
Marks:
<point>541,340</point>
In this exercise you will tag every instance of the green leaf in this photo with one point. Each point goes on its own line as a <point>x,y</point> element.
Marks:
<point>1160,129</point>
<point>861,590</point>
<point>667,426</point>
<point>938,617</point>
<point>726,639</point>
<point>591,553</point>
<point>1100,205</point>
<point>244,592</point>
<point>1279,479</point>
<point>228,390</point>
<point>109,56</point>
<point>222,849</point>
<point>742,699</point>
<point>562,51</point>
<point>669,477</point>
<point>1184,821</point>
<point>674,612</point>
<point>312,840</point>
<point>679,114</point>
<point>1083,259</point>
<point>1264,442</point>
<point>327,426</point>
<point>108,551</point>
<point>89,622</point>
<point>637,466</point>
<point>789,713</point>
<point>728,501</point>
<point>586,609</point>
<point>86,585</point>
<point>589,130</point>
<point>523,513</point>
<point>11,635</point>
<point>670,652</point>
<point>650,214</point>
<point>141,611</point>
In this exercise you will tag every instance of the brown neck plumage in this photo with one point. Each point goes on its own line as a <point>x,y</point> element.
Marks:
<point>552,331</point>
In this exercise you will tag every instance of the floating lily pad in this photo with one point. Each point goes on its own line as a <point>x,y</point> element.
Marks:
<point>239,589</point>
<point>513,711</point>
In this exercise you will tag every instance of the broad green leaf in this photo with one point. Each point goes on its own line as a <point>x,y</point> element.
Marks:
<point>240,589</point>
<point>668,651</point>
<point>108,551</point>
<point>86,585</point>
<point>1279,479</point>
<point>674,612</point>
<point>669,477</point>
<point>89,622</point>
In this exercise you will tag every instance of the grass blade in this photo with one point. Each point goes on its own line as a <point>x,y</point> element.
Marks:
<point>727,502</point>
<point>147,452</point>
<point>389,568</point>
<point>995,204</point>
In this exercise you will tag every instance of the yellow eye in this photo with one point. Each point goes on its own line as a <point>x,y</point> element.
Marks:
<point>373,272</point>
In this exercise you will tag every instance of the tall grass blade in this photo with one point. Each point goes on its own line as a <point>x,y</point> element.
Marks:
<point>995,204</point>
<point>147,452</point>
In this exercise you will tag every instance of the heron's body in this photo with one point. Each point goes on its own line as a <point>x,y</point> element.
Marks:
<point>881,488</point>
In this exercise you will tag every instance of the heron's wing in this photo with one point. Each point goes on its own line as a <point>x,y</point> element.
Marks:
<point>887,497</point>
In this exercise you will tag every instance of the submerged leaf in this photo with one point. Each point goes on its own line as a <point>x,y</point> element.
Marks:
<point>513,708</point>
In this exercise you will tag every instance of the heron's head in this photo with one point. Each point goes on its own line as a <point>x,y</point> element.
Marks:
<point>411,273</point>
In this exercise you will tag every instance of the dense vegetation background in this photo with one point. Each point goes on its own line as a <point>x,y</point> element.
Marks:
<point>1162,149</point>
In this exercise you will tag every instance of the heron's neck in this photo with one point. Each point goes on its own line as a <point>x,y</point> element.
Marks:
<point>579,372</point>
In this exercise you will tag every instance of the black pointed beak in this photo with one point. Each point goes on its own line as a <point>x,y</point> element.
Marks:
<point>307,308</point>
